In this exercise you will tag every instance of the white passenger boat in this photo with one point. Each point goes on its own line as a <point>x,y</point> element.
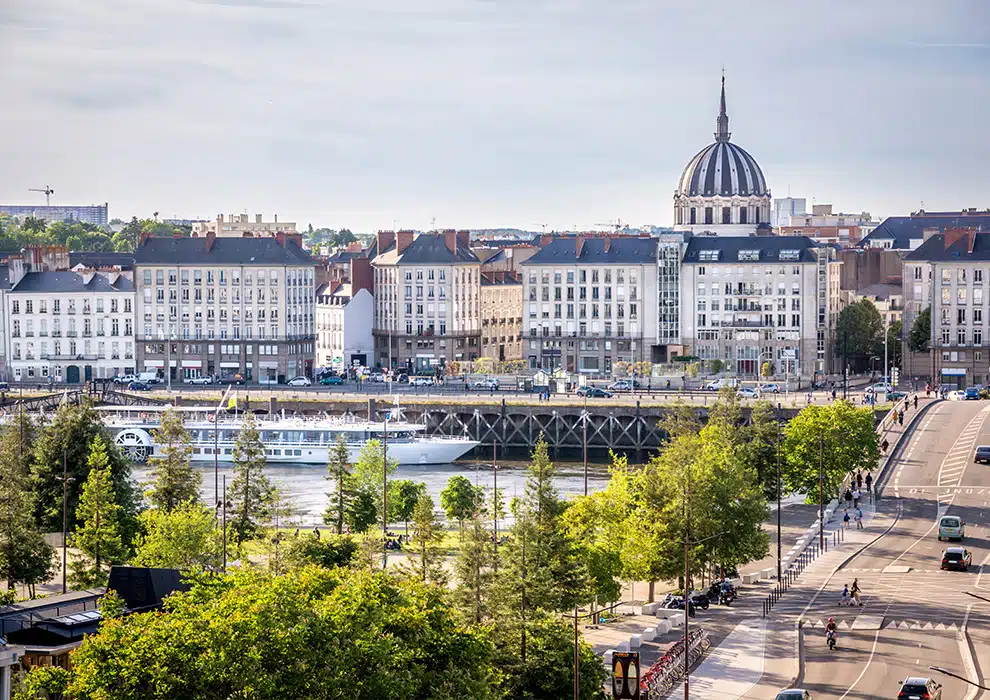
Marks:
<point>301,440</point>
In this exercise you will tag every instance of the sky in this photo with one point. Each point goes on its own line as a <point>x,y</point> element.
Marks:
<point>374,114</point>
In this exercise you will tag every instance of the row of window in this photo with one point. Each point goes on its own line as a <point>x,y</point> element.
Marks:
<point>293,278</point>
<point>962,337</point>
<point>197,349</point>
<point>582,275</point>
<point>558,331</point>
<point>582,293</point>
<point>72,349</point>
<point>212,296</point>
<point>726,215</point>
<point>752,306</point>
<point>87,327</point>
<point>597,311</point>
<point>747,289</point>
<point>739,270</point>
<point>754,321</point>
<point>211,314</point>
<point>185,332</point>
<point>70,306</point>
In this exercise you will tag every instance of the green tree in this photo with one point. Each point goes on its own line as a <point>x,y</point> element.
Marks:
<point>69,435</point>
<point>251,492</point>
<point>460,500</point>
<point>553,573</point>
<point>98,536</point>
<point>314,634</point>
<point>838,437</point>
<point>368,472</point>
<point>185,537</point>
<point>174,481</point>
<point>921,331</point>
<point>473,569</point>
<point>44,683</point>
<point>547,673</point>
<point>342,497</point>
<point>894,348</point>
<point>715,366</point>
<point>859,332</point>
<point>25,557</point>
<point>759,446</point>
<point>328,551</point>
<point>402,497</point>
<point>362,514</point>
<point>427,560</point>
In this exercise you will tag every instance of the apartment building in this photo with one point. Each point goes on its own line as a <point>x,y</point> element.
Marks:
<point>96,214</point>
<point>67,326</point>
<point>427,299</point>
<point>345,312</point>
<point>590,302</point>
<point>216,305</point>
<point>240,226</point>
<point>749,300</point>
<point>501,315</point>
<point>950,273</point>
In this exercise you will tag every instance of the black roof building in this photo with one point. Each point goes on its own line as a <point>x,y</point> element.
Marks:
<point>428,249</point>
<point>222,251</point>
<point>974,247</point>
<point>72,283</point>
<point>750,249</point>
<point>897,232</point>
<point>611,250</point>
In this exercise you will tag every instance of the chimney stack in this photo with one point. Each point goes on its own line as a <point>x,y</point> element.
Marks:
<point>580,244</point>
<point>257,218</point>
<point>450,240</point>
<point>608,243</point>
<point>384,239</point>
<point>464,239</point>
<point>211,238</point>
<point>404,239</point>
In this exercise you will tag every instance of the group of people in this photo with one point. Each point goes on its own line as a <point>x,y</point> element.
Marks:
<point>850,596</point>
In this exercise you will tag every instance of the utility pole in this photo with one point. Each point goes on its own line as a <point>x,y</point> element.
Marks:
<point>522,603</point>
<point>821,463</point>
<point>577,659</point>
<point>65,516</point>
<point>385,492</point>
<point>495,501</point>
<point>779,550</point>
<point>584,441</point>
<point>224,523</point>
<point>687,591</point>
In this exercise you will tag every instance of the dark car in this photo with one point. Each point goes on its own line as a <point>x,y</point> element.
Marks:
<point>956,559</point>
<point>332,380</point>
<point>139,386</point>
<point>232,378</point>
<point>594,392</point>
<point>982,454</point>
<point>793,694</point>
<point>915,688</point>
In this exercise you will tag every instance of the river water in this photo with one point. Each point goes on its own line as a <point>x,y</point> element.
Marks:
<point>306,485</point>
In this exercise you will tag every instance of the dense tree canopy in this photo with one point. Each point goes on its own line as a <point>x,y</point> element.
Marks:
<point>921,331</point>
<point>859,333</point>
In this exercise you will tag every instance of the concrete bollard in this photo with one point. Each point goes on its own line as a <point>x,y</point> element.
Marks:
<point>649,634</point>
<point>768,574</point>
<point>607,656</point>
<point>650,609</point>
<point>623,646</point>
<point>663,627</point>
<point>635,641</point>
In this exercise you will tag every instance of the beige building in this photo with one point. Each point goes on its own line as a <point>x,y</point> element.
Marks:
<point>427,299</point>
<point>217,306</point>
<point>239,226</point>
<point>501,316</point>
<point>589,302</point>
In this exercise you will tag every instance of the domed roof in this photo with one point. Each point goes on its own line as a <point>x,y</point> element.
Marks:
<point>722,168</point>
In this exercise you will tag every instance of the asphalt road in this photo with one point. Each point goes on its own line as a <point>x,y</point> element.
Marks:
<point>914,615</point>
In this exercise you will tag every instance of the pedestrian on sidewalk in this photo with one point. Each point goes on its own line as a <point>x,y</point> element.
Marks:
<point>856,496</point>
<point>845,518</point>
<point>859,518</point>
<point>833,394</point>
<point>869,482</point>
<point>859,479</point>
<point>884,445</point>
<point>848,496</point>
<point>916,402</point>
<point>855,591</point>
<point>900,417</point>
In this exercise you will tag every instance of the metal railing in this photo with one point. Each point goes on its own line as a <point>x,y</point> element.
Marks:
<point>660,678</point>
<point>797,567</point>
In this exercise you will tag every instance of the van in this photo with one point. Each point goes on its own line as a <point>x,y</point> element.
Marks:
<point>951,527</point>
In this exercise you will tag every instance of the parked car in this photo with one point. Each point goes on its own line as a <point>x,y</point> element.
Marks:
<point>915,688</point>
<point>770,389</point>
<point>594,392</point>
<point>125,379</point>
<point>232,378</point>
<point>300,381</point>
<point>421,381</point>
<point>747,393</point>
<point>201,380</point>
<point>956,558</point>
<point>138,386</point>
<point>718,384</point>
<point>895,395</point>
<point>880,388</point>
<point>982,454</point>
<point>332,380</point>
<point>401,378</point>
<point>622,385</point>
<point>377,377</point>
<point>489,384</point>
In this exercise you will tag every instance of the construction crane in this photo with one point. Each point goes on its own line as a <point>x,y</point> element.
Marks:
<point>48,193</point>
<point>616,225</point>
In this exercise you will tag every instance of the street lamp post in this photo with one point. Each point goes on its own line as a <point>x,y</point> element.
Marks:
<point>65,517</point>
<point>779,550</point>
<point>385,491</point>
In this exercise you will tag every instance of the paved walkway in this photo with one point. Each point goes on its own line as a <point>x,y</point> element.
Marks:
<point>734,666</point>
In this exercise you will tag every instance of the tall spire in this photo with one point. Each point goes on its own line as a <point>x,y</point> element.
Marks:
<point>722,129</point>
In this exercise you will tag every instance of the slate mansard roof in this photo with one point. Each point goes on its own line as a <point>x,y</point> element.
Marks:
<point>596,251</point>
<point>750,249</point>
<point>428,249</point>
<point>903,229</point>
<point>71,283</point>
<point>224,251</point>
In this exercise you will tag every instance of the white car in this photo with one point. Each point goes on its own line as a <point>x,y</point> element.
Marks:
<point>125,379</point>
<point>770,388</point>
<point>748,393</point>
<point>880,388</point>
<point>200,380</point>
<point>299,381</point>
<point>490,384</point>
<point>421,381</point>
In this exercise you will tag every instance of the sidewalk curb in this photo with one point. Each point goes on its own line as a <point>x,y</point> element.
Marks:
<point>881,482</point>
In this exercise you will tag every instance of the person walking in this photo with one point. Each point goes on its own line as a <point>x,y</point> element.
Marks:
<point>884,445</point>
<point>856,496</point>
<point>855,591</point>
<point>848,496</point>
<point>859,479</point>
<point>845,518</point>
<point>900,417</point>
<point>916,402</point>
<point>859,518</point>
<point>869,482</point>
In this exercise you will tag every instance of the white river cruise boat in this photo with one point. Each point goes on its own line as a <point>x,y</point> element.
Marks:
<point>300,440</point>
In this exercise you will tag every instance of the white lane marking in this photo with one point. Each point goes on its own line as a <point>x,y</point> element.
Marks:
<point>979,576</point>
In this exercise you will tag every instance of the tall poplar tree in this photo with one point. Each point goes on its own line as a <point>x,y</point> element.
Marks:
<point>342,497</point>
<point>98,535</point>
<point>251,492</point>
<point>175,481</point>
<point>426,562</point>
<point>473,568</point>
